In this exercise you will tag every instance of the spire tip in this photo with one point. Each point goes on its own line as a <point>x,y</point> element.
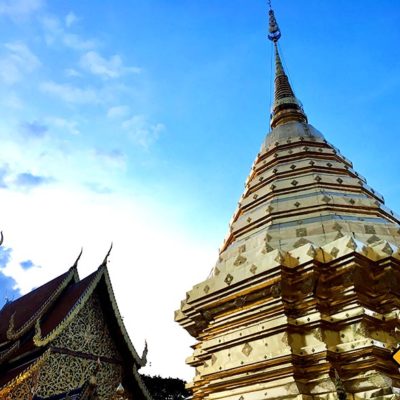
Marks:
<point>274,31</point>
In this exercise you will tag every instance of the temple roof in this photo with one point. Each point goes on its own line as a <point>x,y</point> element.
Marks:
<point>32,322</point>
<point>27,309</point>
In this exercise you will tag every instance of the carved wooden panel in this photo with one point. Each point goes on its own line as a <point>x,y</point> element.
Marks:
<point>22,390</point>
<point>63,372</point>
<point>88,332</point>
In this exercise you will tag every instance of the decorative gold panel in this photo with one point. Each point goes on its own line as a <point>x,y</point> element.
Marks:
<point>63,372</point>
<point>23,389</point>
<point>88,332</point>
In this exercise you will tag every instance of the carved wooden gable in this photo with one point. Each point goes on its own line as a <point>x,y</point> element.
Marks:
<point>76,341</point>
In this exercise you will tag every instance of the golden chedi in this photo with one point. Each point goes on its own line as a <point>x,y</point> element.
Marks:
<point>303,302</point>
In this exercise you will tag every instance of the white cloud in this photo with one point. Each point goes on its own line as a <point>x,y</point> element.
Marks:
<point>75,42</point>
<point>67,125</point>
<point>52,28</point>
<point>113,158</point>
<point>21,54</point>
<point>9,72</point>
<point>72,73</point>
<point>111,68</point>
<point>150,257</point>
<point>48,225</point>
<point>117,112</point>
<point>70,19</point>
<point>141,132</point>
<point>69,93</point>
<point>13,101</point>
<point>17,9</point>
<point>55,32</point>
<point>18,61</point>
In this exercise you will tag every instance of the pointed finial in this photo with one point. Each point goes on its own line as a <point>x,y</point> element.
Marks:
<point>143,359</point>
<point>120,389</point>
<point>104,263</point>
<point>278,63</point>
<point>274,31</point>
<point>286,107</point>
<point>77,259</point>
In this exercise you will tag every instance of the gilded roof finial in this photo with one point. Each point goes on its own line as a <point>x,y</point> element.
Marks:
<point>104,263</point>
<point>119,393</point>
<point>274,31</point>
<point>143,359</point>
<point>286,107</point>
<point>77,259</point>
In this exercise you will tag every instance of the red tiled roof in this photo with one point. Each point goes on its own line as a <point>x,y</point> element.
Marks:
<point>58,311</point>
<point>28,305</point>
<point>65,304</point>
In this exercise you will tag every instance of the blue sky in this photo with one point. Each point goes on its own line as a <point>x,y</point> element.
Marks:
<point>137,121</point>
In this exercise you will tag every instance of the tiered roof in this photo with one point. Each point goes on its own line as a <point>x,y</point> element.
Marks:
<point>30,324</point>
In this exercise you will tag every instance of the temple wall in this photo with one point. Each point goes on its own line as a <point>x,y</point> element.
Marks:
<point>62,372</point>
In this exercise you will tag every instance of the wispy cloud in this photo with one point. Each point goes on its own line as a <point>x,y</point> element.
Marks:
<point>110,68</point>
<point>98,188</point>
<point>113,158</point>
<point>70,93</point>
<point>12,179</point>
<point>18,61</point>
<point>26,180</point>
<point>52,28</point>
<point>54,31</point>
<point>34,129</point>
<point>117,112</point>
<point>8,291</point>
<point>17,9</point>
<point>76,42</point>
<point>4,171</point>
<point>141,131</point>
<point>71,72</point>
<point>70,19</point>
<point>27,264</point>
<point>64,124</point>
<point>12,100</point>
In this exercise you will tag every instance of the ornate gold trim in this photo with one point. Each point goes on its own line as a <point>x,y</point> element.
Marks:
<point>5,354</point>
<point>39,341</point>
<point>12,335</point>
<point>20,378</point>
<point>140,360</point>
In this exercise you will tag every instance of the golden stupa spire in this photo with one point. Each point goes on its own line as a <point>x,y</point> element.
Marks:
<point>286,107</point>
<point>307,281</point>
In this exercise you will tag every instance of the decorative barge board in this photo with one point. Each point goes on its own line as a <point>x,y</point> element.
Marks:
<point>66,339</point>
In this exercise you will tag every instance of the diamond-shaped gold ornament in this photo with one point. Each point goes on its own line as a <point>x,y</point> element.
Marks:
<point>247,349</point>
<point>334,252</point>
<point>228,279</point>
